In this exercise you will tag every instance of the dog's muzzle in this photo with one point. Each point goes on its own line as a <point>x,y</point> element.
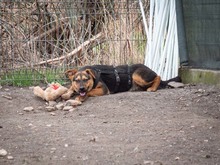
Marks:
<point>82,91</point>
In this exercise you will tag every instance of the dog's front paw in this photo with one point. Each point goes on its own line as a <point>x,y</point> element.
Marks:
<point>151,90</point>
<point>66,96</point>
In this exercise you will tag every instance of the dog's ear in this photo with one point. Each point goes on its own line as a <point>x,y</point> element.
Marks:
<point>91,72</point>
<point>70,73</point>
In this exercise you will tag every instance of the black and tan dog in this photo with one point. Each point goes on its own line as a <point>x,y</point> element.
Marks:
<point>98,80</point>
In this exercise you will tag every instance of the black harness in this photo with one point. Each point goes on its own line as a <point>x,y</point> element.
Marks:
<point>117,80</point>
<point>117,77</point>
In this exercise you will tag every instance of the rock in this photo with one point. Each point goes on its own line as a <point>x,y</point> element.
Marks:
<point>3,152</point>
<point>31,88</point>
<point>59,106</point>
<point>92,140</point>
<point>10,157</point>
<point>53,149</point>
<point>50,108</point>
<point>52,103</point>
<point>40,108</point>
<point>30,124</point>
<point>207,156</point>
<point>67,108</point>
<point>7,97</point>
<point>73,109</point>
<point>52,114</point>
<point>147,162</point>
<point>200,91</point>
<point>28,109</point>
<point>73,102</point>
<point>173,84</point>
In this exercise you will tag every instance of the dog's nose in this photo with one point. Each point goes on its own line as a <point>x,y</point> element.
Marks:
<point>81,88</point>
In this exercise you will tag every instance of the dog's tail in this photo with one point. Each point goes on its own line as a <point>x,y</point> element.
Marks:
<point>164,84</point>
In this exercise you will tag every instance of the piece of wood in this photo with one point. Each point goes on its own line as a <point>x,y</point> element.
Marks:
<point>76,50</point>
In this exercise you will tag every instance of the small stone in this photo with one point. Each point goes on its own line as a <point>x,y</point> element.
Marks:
<point>10,157</point>
<point>201,90</point>
<point>7,97</point>
<point>148,162</point>
<point>52,114</point>
<point>173,84</point>
<point>66,145</point>
<point>208,156</point>
<point>28,109</point>
<point>67,108</point>
<point>136,149</point>
<point>73,109</point>
<point>52,103</point>
<point>52,150</point>
<point>31,88</point>
<point>40,108</point>
<point>6,89</point>
<point>73,102</point>
<point>92,140</point>
<point>177,158</point>
<point>20,113</point>
<point>3,152</point>
<point>48,125</point>
<point>85,158</point>
<point>59,106</point>
<point>50,108</point>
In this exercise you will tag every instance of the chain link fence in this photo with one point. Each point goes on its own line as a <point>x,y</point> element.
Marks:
<point>42,38</point>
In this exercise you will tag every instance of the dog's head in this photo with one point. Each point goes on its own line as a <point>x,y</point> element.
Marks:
<point>82,81</point>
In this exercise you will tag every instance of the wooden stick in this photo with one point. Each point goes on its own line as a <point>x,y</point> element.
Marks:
<point>76,50</point>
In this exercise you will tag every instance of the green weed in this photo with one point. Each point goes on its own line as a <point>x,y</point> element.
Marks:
<point>32,77</point>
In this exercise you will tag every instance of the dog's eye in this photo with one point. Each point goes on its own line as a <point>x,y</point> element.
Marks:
<point>85,80</point>
<point>77,81</point>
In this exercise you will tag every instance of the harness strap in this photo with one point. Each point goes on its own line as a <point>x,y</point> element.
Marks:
<point>129,78</point>
<point>96,81</point>
<point>117,80</point>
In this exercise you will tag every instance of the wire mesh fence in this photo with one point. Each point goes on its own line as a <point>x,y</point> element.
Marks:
<point>42,38</point>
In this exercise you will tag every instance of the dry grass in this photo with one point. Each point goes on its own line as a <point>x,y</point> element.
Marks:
<point>33,31</point>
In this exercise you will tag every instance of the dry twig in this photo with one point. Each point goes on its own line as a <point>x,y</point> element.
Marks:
<point>76,50</point>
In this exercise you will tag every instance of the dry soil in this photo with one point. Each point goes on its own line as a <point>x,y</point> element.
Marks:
<point>167,127</point>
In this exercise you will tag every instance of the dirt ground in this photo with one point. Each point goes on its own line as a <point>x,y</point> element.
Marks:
<point>167,127</point>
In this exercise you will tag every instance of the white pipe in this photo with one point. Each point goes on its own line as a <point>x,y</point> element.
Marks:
<point>162,46</point>
<point>148,56</point>
<point>144,17</point>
